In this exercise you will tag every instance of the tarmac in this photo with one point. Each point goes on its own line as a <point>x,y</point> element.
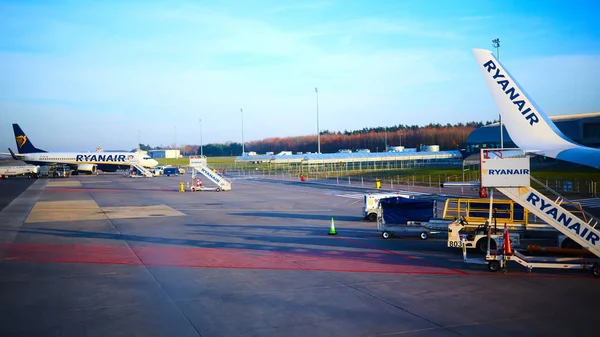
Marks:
<point>113,256</point>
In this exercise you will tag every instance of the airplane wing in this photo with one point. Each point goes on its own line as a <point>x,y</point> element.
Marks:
<point>528,126</point>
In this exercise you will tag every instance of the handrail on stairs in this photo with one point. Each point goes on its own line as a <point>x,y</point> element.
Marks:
<point>560,199</point>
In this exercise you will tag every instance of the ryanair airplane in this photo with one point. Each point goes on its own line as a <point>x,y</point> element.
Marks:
<point>528,126</point>
<point>85,162</point>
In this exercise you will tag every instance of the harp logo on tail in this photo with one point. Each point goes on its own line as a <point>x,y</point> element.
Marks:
<point>21,140</point>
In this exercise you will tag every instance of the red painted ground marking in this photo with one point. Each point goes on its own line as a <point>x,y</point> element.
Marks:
<point>40,252</point>
<point>89,190</point>
<point>222,258</point>
<point>403,255</point>
<point>216,258</point>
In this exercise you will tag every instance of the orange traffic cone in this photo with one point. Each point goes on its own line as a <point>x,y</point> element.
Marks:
<point>506,245</point>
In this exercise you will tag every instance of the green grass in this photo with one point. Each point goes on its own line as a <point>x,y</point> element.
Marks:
<point>552,173</point>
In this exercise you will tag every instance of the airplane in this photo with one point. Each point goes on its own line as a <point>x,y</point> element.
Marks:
<point>528,126</point>
<point>85,162</point>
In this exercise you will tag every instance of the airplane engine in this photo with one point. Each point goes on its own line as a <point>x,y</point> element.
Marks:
<point>86,168</point>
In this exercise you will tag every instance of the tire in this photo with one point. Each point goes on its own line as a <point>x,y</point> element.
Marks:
<point>423,235</point>
<point>596,270</point>
<point>481,245</point>
<point>386,235</point>
<point>218,189</point>
<point>494,266</point>
<point>570,244</point>
<point>372,217</point>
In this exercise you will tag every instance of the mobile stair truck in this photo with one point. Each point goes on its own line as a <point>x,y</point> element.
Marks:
<point>508,171</point>
<point>199,165</point>
<point>136,170</point>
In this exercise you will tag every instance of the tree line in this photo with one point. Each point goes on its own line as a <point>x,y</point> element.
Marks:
<point>448,137</point>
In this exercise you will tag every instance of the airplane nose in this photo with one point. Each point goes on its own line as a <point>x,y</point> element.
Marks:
<point>154,162</point>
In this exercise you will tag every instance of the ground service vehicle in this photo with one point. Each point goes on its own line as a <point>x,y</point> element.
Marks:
<point>54,171</point>
<point>371,203</point>
<point>405,217</point>
<point>19,170</point>
<point>477,237</point>
<point>171,171</point>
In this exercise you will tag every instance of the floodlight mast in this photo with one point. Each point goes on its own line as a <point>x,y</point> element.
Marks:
<point>201,152</point>
<point>318,130</point>
<point>242,111</point>
<point>496,44</point>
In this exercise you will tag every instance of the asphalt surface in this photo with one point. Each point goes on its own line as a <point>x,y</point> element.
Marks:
<point>11,188</point>
<point>113,256</point>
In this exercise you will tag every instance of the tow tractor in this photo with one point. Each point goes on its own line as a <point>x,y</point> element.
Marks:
<point>461,235</point>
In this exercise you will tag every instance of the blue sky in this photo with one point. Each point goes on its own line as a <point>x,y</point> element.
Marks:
<point>75,73</point>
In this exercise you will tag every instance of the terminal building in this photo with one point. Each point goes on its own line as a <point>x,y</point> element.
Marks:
<point>168,154</point>
<point>581,128</point>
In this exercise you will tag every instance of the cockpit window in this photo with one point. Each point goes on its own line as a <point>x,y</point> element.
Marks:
<point>147,157</point>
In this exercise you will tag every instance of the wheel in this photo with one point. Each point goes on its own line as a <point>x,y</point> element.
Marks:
<point>386,235</point>
<point>218,189</point>
<point>372,217</point>
<point>192,189</point>
<point>570,244</point>
<point>494,266</point>
<point>481,245</point>
<point>423,236</point>
<point>596,270</point>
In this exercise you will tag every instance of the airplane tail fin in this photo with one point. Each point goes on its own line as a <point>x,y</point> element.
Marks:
<point>24,144</point>
<point>528,126</point>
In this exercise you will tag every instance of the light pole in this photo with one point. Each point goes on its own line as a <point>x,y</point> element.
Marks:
<point>318,130</point>
<point>201,152</point>
<point>175,128</point>
<point>385,137</point>
<point>496,44</point>
<point>242,111</point>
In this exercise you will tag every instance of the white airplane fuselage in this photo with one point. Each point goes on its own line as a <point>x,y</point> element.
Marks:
<point>88,158</point>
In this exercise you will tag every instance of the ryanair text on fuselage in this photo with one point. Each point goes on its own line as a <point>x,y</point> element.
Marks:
<point>512,92</point>
<point>101,158</point>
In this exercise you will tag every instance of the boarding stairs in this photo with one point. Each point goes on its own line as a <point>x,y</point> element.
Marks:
<point>142,170</point>
<point>509,173</point>
<point>583,230</point>
<point>199,164</point>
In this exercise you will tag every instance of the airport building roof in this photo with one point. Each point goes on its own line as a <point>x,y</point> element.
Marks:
<point>580,128</point>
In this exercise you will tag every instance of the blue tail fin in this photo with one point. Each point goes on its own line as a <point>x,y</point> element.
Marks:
<point>24,145</point>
